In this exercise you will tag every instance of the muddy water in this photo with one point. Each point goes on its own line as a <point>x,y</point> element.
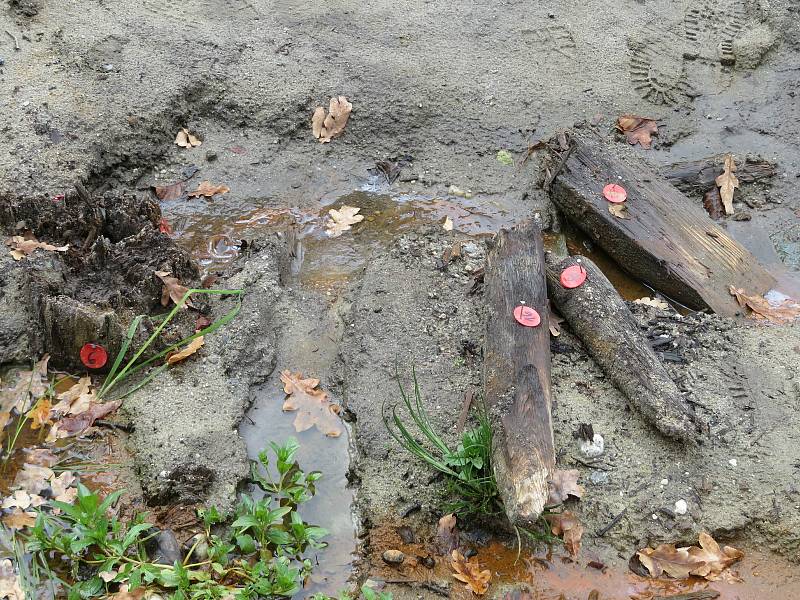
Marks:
<point>327,264</point>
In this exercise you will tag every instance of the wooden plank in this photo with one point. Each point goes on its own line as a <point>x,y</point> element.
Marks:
<point>600,318</point>
<point>669,241</point>
<point>698,176</point>
<point>516,373</point>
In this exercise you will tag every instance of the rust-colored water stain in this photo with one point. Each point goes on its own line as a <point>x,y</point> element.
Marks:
<point>551,575</point>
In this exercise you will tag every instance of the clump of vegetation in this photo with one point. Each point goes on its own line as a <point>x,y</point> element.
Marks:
<point>467,467</point>
<point>260,554</point>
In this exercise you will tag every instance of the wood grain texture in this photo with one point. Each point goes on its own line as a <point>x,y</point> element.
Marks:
<point>669,241</point>
<point>516,373</point>
<point>698,176</point>
<point>600,318</point>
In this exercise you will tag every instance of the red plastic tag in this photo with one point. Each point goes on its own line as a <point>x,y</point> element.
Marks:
<point>573,276</point>
<point>615,193</point>
<point>94,356</point>
<point>526,316</point>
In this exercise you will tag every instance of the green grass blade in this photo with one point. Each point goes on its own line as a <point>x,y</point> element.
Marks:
<point>122,352</point>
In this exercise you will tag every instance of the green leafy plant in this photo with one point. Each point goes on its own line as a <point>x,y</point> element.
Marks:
<point>259,555</point>
<point>467,467</point>
<point>367,593</point>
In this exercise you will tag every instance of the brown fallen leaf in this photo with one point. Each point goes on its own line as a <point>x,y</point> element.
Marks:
<point>619,210</point>
<point>564,484</point>
<point>19,519</point>
<point>22,500</point>
<point>760,308</point>
<point>190,349</point>
<point>654,302</point>
<point>124,594</point>
<point>10,585</point>
<point>40,414</point>
<point>33,478</point>
<point>342,219</point>
<point>172,191</point>
<point>172,289</point>
<point>61,487</point>
<point>727,182</point>
<point>184,139</point>
<point>712,202</point>
<point>21,247</point>
<point>567,526</point>
<point>313,406</point>
<point>208,189</point>
<point>29,386</point>
<point>447,534</point>
<point>637,129</point>
<point>555,322</point>
<point>74,400</point>
<point>708,561</point>
<point>470,574</point>
<point>75,425</point>
<point>324,126</point>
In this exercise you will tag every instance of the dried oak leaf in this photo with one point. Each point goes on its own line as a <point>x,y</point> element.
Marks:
<point>564,484</point>
<point>22,500</point>
<point>40,414</point>
<point>567,526</point>
<point>124,594</point>
<point>447,534</point>
<point>708,561</point>
<point>76,399</point>
<point>727,182</point>
<point>654,302</point>
<point>637,130</point>
<point>29,386</point>
<point>172,289</point>
<point>190,349</point>
<point>19,519</point>
<point>10,587</point>
<point>33,478</point>
<point>21,247</point>
<point>470,574</point>
<point>75,425</point>
<point>760,308</point>
<point>184,139</point>
<point>342,219</point>
<point>172,191</point>
<point>313,406</point>
<point>61,487</point>
<point>208,189</point>
<point>324,126</point>
<point>619,210</point>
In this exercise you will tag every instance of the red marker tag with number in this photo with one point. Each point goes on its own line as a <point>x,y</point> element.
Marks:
<point>526,316</point>
<point>615,193</point>
<point>573,276</point>
<point>94,356</point>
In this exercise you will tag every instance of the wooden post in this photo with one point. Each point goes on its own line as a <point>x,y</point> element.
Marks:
<point>667,241</point>
<point>601,319</point>
<point>516,373</point>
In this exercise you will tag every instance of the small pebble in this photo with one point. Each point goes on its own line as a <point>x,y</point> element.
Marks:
<point>594,448</point>
<point>393,557</point>
<point>680,507</point>
<point>665,482</point>
<point>733,462</point>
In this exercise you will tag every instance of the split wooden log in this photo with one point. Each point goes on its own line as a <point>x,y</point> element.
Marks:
<point>601,319</point>
<point>667,240</point>
<point>516,373</point>
<point>696,177</point>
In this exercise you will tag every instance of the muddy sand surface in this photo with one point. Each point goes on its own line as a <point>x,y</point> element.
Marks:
<point>94,93</point>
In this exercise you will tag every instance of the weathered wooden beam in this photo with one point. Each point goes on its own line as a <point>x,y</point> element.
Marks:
<point>696,177</point>
<point>668,241</point>
<point>516,373</point>
<point>600,318</point>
